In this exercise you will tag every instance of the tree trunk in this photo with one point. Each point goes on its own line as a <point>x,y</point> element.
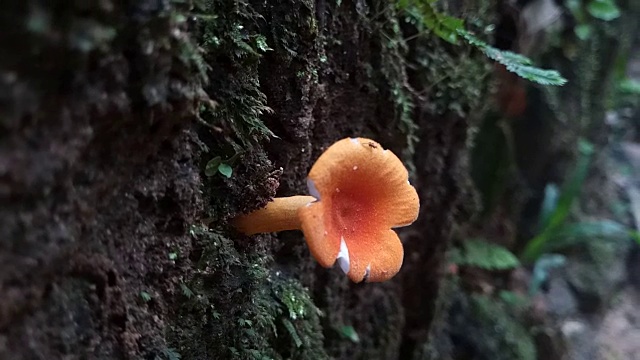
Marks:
<point>114,240</point>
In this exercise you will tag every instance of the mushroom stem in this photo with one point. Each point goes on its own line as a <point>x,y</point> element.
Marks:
<point>279,215</point>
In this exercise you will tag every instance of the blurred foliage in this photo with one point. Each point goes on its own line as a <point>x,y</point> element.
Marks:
<point>555,209</point>
<point>492,163</point>
<point>542,269</point>
<point>555,232</point>
<point>484,255</point>
<point>515,341</point>
<point>486,326</point>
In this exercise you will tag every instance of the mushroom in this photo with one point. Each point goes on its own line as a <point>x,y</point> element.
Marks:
<point>360,191</point>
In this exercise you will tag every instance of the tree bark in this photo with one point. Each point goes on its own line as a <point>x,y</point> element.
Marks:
<point>114,241</point>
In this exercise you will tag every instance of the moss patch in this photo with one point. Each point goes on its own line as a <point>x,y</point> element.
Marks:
<point>238,309</point>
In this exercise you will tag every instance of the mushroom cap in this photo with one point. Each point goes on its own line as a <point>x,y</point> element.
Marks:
<point>362,192</point>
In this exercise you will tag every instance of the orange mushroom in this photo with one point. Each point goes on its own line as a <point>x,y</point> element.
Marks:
<point>360,191</point>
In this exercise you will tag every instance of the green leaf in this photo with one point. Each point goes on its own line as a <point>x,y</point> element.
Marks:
<point>292,331</point>
<point>584,231</point>
<point>350,333</point>
<point>570,191</point>
<point>583,32</point>
<point>629,86</point>
<point>516,63</point>
<point>261,44</point>
<point>444,26</point>
<point>423,13</point>
<point>173,256</point>
<point>186,291</point>
<point>606,10</point>
<point>549,204</point>
<point>172,354</point>
<point>146,297</point>
<point>225,170</point>
<point>212,166</point>
<point>481,254</point>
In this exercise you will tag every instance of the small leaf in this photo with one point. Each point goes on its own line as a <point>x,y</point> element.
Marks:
<point>292,331</point>
<point>350,333</point>
<point>606,10</point>
<point>173,256</point>
<point>186,291</point>
<point>484,255</point>
<point>212,166</point>
<point>261,44</point>
<point>225,170</point>
<point>145,296</point>
<point>172,354</point>
<point>583,31</point>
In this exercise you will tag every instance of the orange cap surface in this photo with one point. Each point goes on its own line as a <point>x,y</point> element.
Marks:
<point>363,191</point>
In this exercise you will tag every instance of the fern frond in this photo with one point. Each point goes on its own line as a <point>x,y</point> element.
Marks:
<point>292,331</point>
<point>516,63</point>
<point>186,291</point>
<point>450,28</point>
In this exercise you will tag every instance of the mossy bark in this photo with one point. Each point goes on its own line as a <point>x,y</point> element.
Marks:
<point>113,241</point>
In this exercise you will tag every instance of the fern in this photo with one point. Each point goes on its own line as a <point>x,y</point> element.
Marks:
<point>516,63</point>
<point>146,297</point>
<point>292,331</point>
<point>450,29</point>
<point>446,27</point>
<point>484,255</point>
<point>186,291</point>
<point>171,354</point>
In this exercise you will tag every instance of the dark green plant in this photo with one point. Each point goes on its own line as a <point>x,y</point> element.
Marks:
<point>217,165</point>
<point>482,254</point>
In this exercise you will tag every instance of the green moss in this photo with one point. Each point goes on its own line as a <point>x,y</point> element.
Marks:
<point>443,78</point>
<point>387,74</point>
<point>232,47</point>
<point>240,309</point>
<point>456,81</point>
<point>300,318</point>
<point>393,69</point>
<point>452,78</point>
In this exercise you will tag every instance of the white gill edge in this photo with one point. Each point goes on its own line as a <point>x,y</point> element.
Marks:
<point>313,191</point>
<point>343,256</point>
